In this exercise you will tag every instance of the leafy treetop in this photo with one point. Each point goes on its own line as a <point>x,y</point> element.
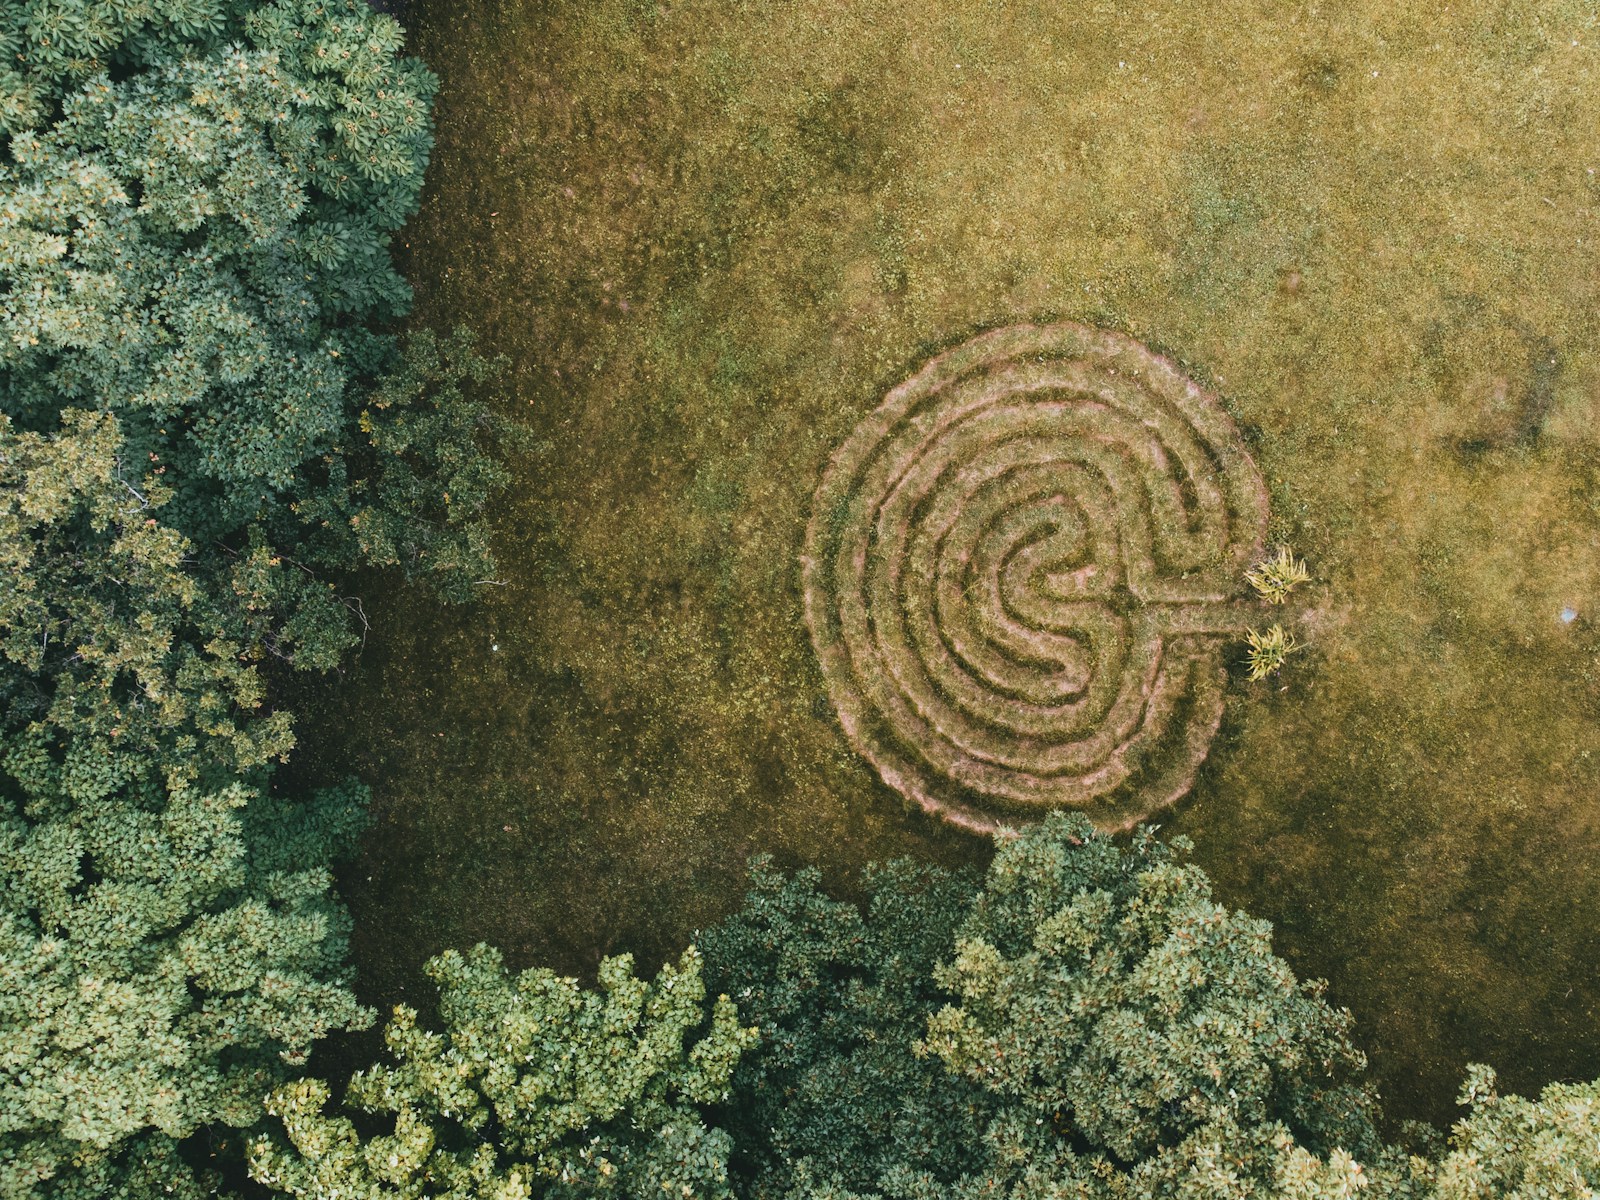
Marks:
<point>536,1086</point>
<point>1088,1023</point>
<point>194,244</point>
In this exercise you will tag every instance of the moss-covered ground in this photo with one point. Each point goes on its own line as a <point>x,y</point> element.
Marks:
<point>710,234</point>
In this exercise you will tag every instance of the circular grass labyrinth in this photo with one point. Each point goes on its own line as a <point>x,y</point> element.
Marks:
<point>1021,572</point>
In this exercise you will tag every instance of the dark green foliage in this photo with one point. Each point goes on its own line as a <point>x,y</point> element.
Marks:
<point>1089,1023</point>
<point>185,244</point>
<point>149,1168</point>
<point>412,478</point>
<point>841,996</point>
<point>535,1087</point>
<point>195,206</point>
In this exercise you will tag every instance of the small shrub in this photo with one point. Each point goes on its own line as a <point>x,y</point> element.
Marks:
<point>1274,578</point>
<point>1268,650</point>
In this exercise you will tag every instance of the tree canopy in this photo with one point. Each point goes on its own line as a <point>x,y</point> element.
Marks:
<point>168,938</point>
<point>205,418</point>
<point>195,230</point>
<point>200,423</point>
<point>1087,1022</point>
<point>535,1087</point>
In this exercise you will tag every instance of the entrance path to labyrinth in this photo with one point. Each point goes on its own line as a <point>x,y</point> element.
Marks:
<point>1021,574</point>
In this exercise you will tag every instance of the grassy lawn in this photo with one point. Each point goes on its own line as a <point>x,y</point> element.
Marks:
<point>710,235</point>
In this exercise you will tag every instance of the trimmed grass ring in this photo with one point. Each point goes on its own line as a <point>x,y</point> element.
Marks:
<point>1021,572</point>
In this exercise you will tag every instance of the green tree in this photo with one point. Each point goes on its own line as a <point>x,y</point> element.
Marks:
<point>841,996</point>
<point>1516,1149</point>
<point>195,212</point>
<point>169,942</point>
<point>116,633</point>
<point>1088,1023</point>
<point>1142,1039</point>
<point>415,468</point>
<point>163,963</point>
<point>47,47</point>
<point>197,424</point>
<point>170,946</point>
<point>536,1086</point>
<point>1107,989</point>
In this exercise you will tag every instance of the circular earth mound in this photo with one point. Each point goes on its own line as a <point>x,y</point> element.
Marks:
<point>1021,572</point>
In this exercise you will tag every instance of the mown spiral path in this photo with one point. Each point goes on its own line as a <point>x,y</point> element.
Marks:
<point>1021,572</point>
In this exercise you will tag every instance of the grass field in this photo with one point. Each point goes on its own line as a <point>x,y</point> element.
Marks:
<point>709,235</point>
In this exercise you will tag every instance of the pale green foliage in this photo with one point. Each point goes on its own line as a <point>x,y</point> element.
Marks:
<point>169,943</point>
<point>1101,1029</point>
<point>1275,577</point>
<point>1105,994</point>
<point>1028,1161</point>
<point>47,46</point>
<point>1268,650</point>
<point>108,305</point>
<point>67,511</point>
<point>537,1086</point>
<point>159,967</point>
<point>116,634</point>
<point>1515,1149</point>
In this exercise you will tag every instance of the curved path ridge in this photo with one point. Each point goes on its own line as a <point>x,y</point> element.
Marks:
<point>1021,572</point>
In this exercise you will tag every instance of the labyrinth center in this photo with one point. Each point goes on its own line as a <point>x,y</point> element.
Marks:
<point>1021,574</point>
